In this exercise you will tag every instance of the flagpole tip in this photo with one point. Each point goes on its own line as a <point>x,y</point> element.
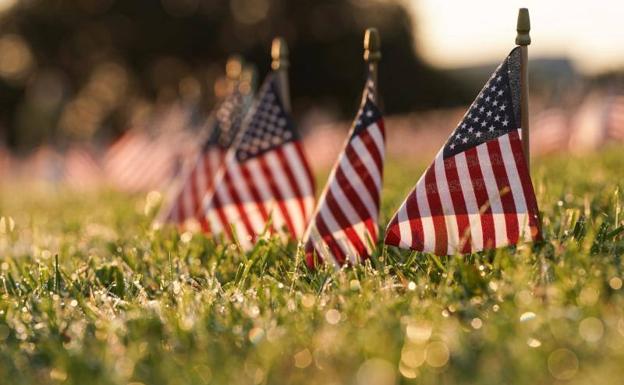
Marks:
<point>234,67</point>
<point>279,54</point>
<point>372,45</point>
<point>523,27</point>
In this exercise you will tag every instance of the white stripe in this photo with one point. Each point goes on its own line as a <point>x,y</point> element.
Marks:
<point>491,186</point>
<point>200,181</point>
<point>249,204</point>
<point>208,209</point>
<point>352,217</point>
<point>358,185</point>
<point>405,230</point>
<point>321,247</point>
<point>375,133</point>
<point>290,201</point>
<point>339,236</point>
<point>516,186</point>
<point>367,160</point>
<point>450,218</point>
<point>231,211</point>
<point>474,216</point>
<point>301,177</point>
<point>268,200</point>
<point>429,232</point>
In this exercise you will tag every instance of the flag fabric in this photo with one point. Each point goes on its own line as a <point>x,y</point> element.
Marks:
<point>344,226</point>
<point>81,169</point>
<point>615,118</point>
<point>550,131</point>
<point>197,181</point>
<point>477,194</point>
<point>265,178</point>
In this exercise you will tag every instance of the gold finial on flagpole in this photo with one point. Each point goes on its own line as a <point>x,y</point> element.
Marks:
<point>372,45</point>
<point>372,55</point>
<point>523,27</point>
<point>523,39</point>
<point>280,64</point>
<point>234,67</point>
<point>279,54</point>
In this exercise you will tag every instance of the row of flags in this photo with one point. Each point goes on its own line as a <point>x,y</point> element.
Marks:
<point>476,195</point>
<point>596,121</point>
<point>245,175</point>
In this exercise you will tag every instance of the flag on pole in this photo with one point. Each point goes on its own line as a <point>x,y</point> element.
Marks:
<point>197,181</point>
<point>265,178</point>
<point>477,194</point>
<point>344,226</point>
<point>615,117</point>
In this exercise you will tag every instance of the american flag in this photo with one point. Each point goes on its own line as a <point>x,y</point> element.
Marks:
<point>197,181</point>
<point>344,226</point>
<point>265,178</point>
<point>550,131</point>
<point>615,117</point>
<point>81,170</point>
<point>477,194</point>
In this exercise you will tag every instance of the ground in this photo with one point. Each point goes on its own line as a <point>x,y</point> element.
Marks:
<point>89,294</point>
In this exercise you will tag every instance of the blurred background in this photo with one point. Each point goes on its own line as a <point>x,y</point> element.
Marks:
<point>77,76</point>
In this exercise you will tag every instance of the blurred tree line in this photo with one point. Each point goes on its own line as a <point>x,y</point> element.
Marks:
<point>84,68</point>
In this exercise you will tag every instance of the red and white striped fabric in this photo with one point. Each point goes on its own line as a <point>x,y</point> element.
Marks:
<point>265,183</point>
<point>615,118</point>
<point>198,179</point>
<point>81,169</point>
<point>138,163</point>
<point>477,194</point>
<point>550,131</point>
<point>344,228</point>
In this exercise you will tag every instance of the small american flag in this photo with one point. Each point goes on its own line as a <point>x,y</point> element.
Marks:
<point>265,178</point>
<point>197,181</point>
<point>478,193</point>
<point>615,117</point>
<point>344,227</point>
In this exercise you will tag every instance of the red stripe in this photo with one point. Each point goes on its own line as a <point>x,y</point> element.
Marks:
<point>266,172</point>
<point>196,192</point>
<point>504,189</point>
<point>306,166</point>
<point>415,222</point>
<point>437,213</point>
<point>203,223</point>
<point>238,202</point>
<point>459,204</point>
<point>249,182</point>
<point>327,237</point>
<point>356,202</point>
<point>372,148</point>
<point>393,234</point>
<point>527,185</point>
<point>312,257</point>
<point>218,207</point>
<point>361,170</point>
<point>481,195</point>
<point>345,225</point>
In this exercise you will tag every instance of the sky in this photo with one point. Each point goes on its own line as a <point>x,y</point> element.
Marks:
<point>456,33</point>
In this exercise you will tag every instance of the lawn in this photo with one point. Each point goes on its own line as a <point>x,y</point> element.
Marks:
<point>89,294</point>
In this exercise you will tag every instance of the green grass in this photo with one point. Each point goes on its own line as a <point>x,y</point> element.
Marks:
<point>90,295</point>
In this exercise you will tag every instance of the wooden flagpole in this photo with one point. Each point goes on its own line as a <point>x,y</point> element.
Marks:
<point>372,55</point>
<point>279,64</point>
<point>523,39</point>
